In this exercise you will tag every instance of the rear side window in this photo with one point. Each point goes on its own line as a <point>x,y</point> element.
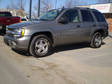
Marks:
<point>5,14</point>
<point>99,16</point>
<point>87,16</point>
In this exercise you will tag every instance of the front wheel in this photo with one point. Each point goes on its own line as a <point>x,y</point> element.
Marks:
<point>40,46</point>
<point>96,40</point>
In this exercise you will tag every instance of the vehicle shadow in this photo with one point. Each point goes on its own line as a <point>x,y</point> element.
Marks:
<point>59,49</point>
<point>70,47</point>
<point>110,36</point>
<point>56,49</point>
<point>21,52</point>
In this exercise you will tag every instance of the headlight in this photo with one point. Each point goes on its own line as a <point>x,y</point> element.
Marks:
<point>23,32</point>
<point>19,32</point>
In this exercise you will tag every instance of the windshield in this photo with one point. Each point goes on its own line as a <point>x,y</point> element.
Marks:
<point>50,15</point>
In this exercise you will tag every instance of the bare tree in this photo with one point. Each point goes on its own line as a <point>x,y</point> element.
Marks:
<point>69,3</point>
<point>0,1</point>
<point>7,7</point>
<point>45,5</point>
<point>35,10</point>
<point>34,15</point>
<point>55,4</point>
<point>19,5</point>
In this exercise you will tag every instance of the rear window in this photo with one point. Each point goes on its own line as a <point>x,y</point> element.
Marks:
<point>99,16</point>
<point>87,16</point>
<point>5,14</point>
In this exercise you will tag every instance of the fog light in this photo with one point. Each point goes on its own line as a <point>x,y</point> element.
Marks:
<point>13,43</point>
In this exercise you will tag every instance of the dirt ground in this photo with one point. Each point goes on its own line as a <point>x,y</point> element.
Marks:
<point>73,64</point>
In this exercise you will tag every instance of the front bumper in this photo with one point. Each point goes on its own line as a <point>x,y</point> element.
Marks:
<point>17,43</point>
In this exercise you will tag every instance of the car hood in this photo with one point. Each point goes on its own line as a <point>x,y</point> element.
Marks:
<point>23,24</point>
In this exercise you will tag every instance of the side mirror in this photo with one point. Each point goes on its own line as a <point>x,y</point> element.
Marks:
<point>63,20</point>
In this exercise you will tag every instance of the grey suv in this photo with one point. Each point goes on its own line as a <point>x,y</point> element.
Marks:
<point>58,27</point>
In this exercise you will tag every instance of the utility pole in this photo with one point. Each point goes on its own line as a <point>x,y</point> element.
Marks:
<point>38,8</point>
<point>30,10</point>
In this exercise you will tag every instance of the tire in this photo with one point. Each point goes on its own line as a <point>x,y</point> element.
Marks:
<point>96,40</point>
<point>40,46</point>
<point>4,29</point>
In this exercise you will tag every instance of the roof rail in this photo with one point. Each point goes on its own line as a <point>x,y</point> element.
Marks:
<point>82,7</point>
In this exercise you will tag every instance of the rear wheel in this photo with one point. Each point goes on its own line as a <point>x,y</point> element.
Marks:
<point>96,40</point>
<point>40,46</point>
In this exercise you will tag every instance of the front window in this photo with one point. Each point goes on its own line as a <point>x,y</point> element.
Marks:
<point>72,15</point>
<point>50,15</point>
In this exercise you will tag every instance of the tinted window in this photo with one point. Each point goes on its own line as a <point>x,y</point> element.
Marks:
<point>5,14</point>
<point>87,16</point>
<point>72,15</point>
<point>99,16</point>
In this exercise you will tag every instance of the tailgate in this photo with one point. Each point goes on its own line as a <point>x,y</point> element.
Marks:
<point>9,20</point>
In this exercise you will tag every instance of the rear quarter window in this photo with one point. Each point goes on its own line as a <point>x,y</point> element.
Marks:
<point>99,16</point>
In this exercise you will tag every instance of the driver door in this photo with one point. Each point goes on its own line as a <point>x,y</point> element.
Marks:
<point>68,33</point>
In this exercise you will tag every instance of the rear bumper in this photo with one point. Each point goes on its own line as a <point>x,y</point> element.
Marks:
<point>17,43</point>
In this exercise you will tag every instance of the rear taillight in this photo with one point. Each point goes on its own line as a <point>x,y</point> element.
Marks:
<point>19,19</point>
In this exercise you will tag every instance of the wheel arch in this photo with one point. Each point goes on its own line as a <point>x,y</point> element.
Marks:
<point>47,33</point>
<point>100,31</point>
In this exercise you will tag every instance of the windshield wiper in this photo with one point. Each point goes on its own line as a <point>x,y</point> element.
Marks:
<point>43,19</point>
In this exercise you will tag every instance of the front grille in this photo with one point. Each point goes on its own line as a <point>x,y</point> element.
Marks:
<point>10,31</point>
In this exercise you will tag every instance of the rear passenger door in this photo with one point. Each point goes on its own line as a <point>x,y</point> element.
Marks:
<point>88,23</point>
